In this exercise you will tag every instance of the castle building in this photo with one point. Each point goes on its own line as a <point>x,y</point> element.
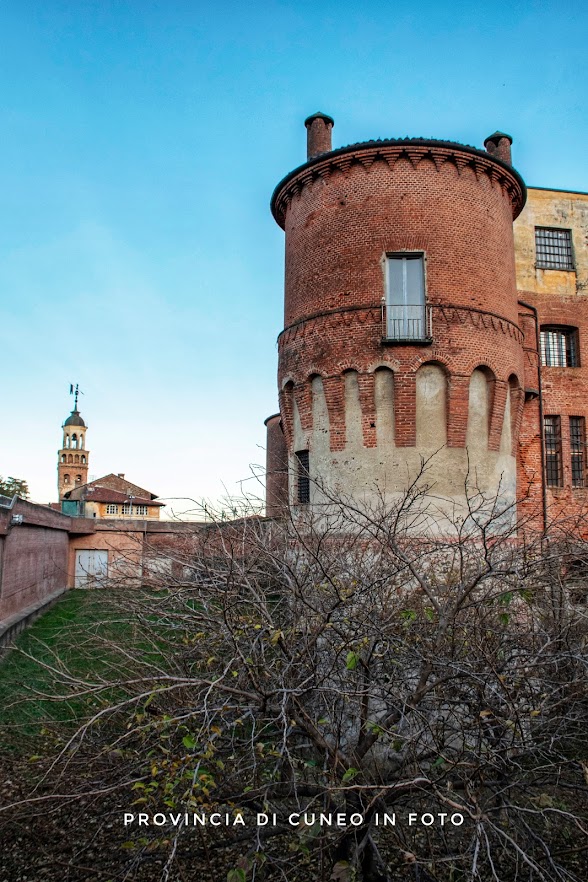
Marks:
<point>73,458</point>
<point>434,310</point>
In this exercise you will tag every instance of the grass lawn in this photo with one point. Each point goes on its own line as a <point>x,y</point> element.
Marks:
<point>79,636</point>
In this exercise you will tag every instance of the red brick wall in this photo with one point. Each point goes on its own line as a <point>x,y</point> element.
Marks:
<point>565,394</point>
<point>33,556</point>
<point>341,215</point>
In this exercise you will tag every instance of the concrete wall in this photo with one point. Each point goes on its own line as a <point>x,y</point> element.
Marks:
<point>38,547</point>
<point>363,473</point>
<point>138,550</point>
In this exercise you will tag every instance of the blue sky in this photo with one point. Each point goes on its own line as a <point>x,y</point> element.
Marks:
<point>140,145</point>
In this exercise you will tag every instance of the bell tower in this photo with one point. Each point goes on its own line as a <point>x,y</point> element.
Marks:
<point>73,457</point>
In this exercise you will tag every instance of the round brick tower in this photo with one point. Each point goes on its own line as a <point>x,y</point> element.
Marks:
<point>401,338</point>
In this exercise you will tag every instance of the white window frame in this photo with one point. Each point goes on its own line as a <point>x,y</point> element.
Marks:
<point>111,508</point>
<point>406,321</point>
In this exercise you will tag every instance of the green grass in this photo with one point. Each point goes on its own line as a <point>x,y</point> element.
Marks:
<point>78,636</point>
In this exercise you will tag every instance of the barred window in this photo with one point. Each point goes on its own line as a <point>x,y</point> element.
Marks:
<point>553,248</point>
<point>578,450</point>
<point>559,347</point>
<point>303,477</point>
<point>552,434</point>
<point>111,508</point>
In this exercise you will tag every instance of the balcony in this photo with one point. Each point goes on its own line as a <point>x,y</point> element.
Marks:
<point>407,324</point>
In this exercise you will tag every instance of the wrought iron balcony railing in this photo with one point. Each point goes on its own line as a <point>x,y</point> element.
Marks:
<point>407,323</point>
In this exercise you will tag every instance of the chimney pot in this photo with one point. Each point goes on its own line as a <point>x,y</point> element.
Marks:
<point>318,137</point>
<point>121,474</point>
<point>498,145</point>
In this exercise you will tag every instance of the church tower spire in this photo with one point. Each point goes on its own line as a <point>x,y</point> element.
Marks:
<point>73,457</point>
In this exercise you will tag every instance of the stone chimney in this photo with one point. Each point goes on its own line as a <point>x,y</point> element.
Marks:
<point>318,127</point>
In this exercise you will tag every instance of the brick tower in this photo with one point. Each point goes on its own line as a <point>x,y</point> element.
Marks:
<point>73,458</point>
<point>401,339</point>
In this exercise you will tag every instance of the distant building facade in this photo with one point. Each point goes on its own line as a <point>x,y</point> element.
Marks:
<point>111,497</point>
<point>429,315</point>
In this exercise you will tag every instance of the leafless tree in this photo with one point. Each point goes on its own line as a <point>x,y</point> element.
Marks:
<point>357,696</point>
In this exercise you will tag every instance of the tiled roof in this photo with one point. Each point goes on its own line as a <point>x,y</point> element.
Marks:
<point>104,494</point>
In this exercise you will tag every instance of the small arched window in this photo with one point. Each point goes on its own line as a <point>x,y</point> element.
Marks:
<point>74,441</point>
<point>77,457</point>
<point>63,457</point>
<point>66,479</point>
<point>83,458</point>
<point>78,479</point>
<point>70,457</point>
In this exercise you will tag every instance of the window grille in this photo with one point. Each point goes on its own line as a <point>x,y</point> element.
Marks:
<point>552,434</point>
<point>406,314</point>
<point>303,477</point>
<point>553,248</point>
<point>559,347</point>
<point>578,450</point>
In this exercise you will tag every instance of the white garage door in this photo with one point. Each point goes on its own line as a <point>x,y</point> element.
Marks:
<point>91,568</point>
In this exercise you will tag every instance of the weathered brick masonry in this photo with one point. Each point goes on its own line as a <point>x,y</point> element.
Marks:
<point>344,213</point>
<point>560,297</point>
<point>362,403</point>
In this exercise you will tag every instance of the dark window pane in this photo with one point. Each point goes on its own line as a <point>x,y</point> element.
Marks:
<point>578,450</point>
<point>303,478</point>
<point>552,433</point>
<point>553,248</point>
<point>559,347</point>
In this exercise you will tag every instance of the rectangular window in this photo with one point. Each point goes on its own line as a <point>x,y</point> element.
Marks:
<point>578,450</point>
<point>302,476</point>
<point>552,432</point>
<point>553,248</point>
<point>559,347</point>
<point>126,509</point>
<point>141,509</point>
<point>405,297</point>
<point>111,508</point>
